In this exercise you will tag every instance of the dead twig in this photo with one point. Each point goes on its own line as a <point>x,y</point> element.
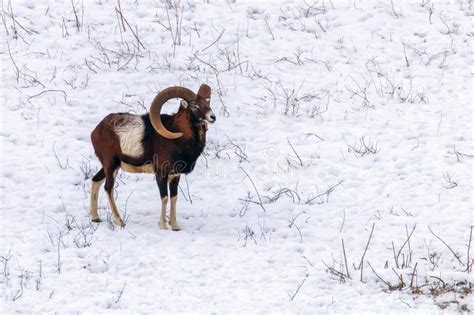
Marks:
<point>345,258</point>
<point>327,193</point>
<point>297,227</point>
<point>292,297</point>
<point>407,241</point>
<point>215,41</point>
<point>469,262</point>
<point>361,264</point>
<point>255,188</point>
<point>413,275</point>
<point>394,255</point>
<point>78,24</point>
<point>296,153</point>
<point>381,279</point>
<point>120,293</point>
<point>397,15</point>
<point>405,53</point>
<point>135,34</point>
<point>268,26</point>
<point>17,71</point>
<point>449,247</point>
<point>48,91</point>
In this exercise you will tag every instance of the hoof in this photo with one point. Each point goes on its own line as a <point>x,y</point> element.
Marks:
<point>96,220</point>
<point>175,227</point>
<point>162,225</point>
<point>119,222</point>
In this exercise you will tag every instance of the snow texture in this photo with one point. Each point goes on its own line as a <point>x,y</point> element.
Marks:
<point>344,114</point>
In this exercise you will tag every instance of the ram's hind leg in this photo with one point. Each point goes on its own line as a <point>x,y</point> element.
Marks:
<point>174,181</point>
<point>162,182</point>
<point>110,174</point>
<point>97,181</point>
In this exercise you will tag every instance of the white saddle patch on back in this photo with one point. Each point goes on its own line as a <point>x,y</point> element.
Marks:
<point>130,132</point>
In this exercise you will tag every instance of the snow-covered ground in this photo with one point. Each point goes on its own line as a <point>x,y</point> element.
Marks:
<point>346,116</point>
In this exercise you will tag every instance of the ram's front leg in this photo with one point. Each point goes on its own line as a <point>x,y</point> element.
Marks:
<point>162,182</point>
<point>174,181</point>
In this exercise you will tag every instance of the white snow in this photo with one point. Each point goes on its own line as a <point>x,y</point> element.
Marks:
<point>343,114</point>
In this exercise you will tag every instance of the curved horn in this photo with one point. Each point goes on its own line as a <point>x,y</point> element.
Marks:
<point>160,99</point>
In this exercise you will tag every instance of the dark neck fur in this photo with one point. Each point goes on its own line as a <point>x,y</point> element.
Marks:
<point>194,134</point>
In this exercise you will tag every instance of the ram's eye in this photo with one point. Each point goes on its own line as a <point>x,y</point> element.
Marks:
<point>194,106</point>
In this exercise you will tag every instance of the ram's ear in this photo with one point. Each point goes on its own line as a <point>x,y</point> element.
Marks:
<point>184,104</point>
<point>204,92</point>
